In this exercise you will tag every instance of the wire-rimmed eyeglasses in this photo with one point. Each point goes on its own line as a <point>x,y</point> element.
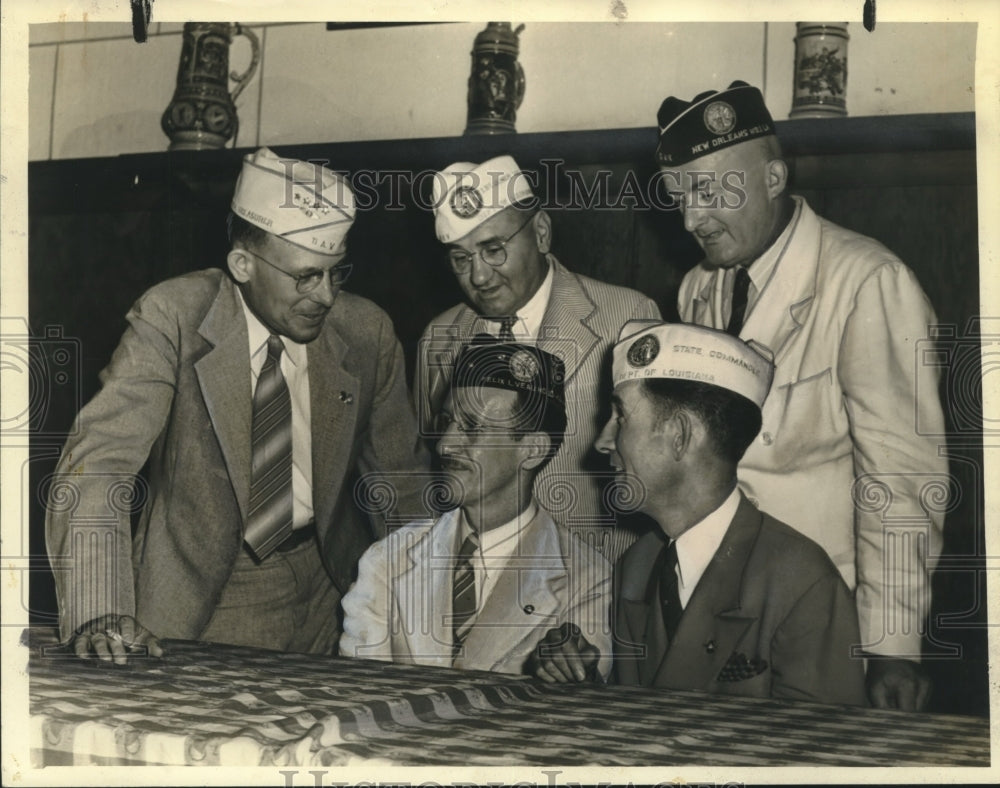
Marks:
<point>493,253</point>
<point>309,281</point>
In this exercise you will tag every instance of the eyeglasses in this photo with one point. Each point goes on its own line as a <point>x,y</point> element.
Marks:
<point>307,282</point>
<point>493,254</point>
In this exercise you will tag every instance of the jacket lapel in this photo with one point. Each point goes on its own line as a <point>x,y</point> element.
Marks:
<point>333,403</point>
<point>702,304</point>
<point>565,327</point>
<point>780,311</point>
<point>422,592</point>
<point>712,623</point>
<point>224,377</point>
<point>524,600</point>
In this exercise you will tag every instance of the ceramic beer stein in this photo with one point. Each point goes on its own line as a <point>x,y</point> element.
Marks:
<point>820,89</point>
<point>496,85</point>
<point>202,114</point>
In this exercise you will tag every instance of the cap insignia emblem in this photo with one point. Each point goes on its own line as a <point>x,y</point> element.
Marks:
<point>720,117</point>
<point>643,351</point>
<point>523,366</point>
<point>466,202</point>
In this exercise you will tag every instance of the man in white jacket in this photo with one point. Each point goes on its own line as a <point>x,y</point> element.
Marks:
<point>479,587</point>
<point>839,455</point>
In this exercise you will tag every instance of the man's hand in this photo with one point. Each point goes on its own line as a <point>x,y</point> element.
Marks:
<point>564,655</point>
<point>112,637</point>
<point>897,684</point>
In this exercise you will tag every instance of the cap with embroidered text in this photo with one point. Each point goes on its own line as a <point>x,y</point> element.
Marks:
<point>302,202</point>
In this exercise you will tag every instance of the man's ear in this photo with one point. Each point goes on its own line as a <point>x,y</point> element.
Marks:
<point>543,231</point>
<point>679,435</point>
<point>538,445</point>
<point>776,174</point>
<point>240,264</point>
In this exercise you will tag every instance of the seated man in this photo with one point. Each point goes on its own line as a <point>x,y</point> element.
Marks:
<point>479,587</point>
<point>721,597</point>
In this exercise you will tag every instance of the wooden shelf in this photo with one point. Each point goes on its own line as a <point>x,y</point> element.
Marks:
<point>206,177</point>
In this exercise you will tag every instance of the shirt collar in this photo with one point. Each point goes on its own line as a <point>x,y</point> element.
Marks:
<point>529,316</point>
<point>697,545</point>
<point>258,334</point>
<point>760,270</point>
<point>490,540</point>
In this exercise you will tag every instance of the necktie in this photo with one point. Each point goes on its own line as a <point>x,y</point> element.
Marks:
<point>670,598</point>
<point>741,291</point>
<point>507,328</point>
<point>463,600</point>
<point>270,518</point>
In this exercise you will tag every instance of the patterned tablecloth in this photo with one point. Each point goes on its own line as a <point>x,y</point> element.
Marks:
<point>211,704</point>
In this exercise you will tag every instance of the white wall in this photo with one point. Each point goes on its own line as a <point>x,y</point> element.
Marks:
<point>95,92</point>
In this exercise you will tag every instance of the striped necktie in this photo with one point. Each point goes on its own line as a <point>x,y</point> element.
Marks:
<point>507,328</point>
<point>270,519</point>
<point>741,294</point>
<point>463,599</point>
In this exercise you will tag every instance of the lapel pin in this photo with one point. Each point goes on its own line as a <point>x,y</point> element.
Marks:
<point>710,646</point>
<point>346,397</point>
<point>529,609</point>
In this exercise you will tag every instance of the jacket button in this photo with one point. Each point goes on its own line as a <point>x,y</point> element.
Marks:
<point>710,647</point>
<point>529,609</point>
<point>768,438</point>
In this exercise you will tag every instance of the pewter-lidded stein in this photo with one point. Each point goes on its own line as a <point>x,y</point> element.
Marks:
<point>496,85</point>
<point>202,114</point>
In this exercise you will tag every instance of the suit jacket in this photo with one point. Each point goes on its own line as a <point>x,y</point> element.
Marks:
<point>400,608</point>
<point>770,618</point>
<point>177,391</point>
<point>851,400</point>
<point>582,320</point>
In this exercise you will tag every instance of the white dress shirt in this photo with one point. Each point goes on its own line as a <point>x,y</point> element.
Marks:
<point>697,545</point>
<point>295,369</point>
<point>529,317</point>
<point>760,271</point>
<point>496,546</point>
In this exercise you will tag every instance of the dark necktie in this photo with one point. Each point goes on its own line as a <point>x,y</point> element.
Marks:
<point>463,599</point>
<point>741,292</point>
<point>507,329</point>
<point>670,598</point>
<point>270,519</point>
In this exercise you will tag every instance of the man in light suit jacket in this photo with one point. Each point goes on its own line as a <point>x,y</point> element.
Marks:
<point>258,397</point>
<point>850,425</point>
<point>481,585</point>
<point>722,597</point>
<point>499,247</point>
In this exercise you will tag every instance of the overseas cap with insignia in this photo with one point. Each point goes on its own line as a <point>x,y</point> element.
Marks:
<point>686,352</point>
<point>515,367</point>
<point>466,195</point>
<point>711,121</point>
<point>300,201</point>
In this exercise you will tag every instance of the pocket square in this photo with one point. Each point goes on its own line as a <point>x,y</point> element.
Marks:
<point>739,668</point>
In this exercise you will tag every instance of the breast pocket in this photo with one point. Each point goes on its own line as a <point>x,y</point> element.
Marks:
<point>804,421</point>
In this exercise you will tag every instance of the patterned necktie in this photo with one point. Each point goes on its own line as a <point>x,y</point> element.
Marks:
<point>463,600</point>
<point>507,328</point>
<point>270,519</point>
<point>741,292</point>
<point>670,598</point>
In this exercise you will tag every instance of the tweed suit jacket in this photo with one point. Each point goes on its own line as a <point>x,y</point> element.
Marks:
<point>581,322</point>
<point>770,618</point>
<point>400,608</point>
<point>851,427</point>
<point>177,392</point>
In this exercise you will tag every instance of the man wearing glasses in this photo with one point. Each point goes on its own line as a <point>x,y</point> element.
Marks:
<point>498,244</point>
<point>256,404</point>
<point>480,586</point>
